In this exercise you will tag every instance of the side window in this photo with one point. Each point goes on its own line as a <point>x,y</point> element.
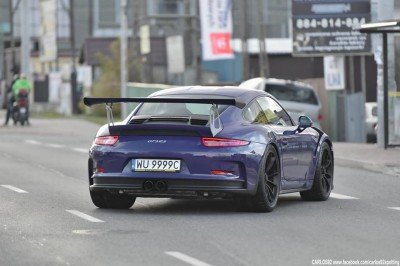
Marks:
<point>274,112</point>
<point>255,114</point>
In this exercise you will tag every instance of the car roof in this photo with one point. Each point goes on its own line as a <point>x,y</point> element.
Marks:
<point>225,91</point>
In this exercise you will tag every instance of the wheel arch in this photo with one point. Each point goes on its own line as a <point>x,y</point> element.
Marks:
<point>263,160</point>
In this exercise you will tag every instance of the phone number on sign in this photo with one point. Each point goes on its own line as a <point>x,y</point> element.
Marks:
<point>325,23</point>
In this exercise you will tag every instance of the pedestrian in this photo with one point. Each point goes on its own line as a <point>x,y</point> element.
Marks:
<point>10,99</point>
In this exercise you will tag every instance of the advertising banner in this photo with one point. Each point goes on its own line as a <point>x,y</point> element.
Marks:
<point>48,38</point>
<point>329,27</point>
<point>216,29</point>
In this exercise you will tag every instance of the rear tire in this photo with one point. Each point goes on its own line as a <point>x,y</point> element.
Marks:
<point>107,200</point>
<point>323,178</point>
<point>269,185</point>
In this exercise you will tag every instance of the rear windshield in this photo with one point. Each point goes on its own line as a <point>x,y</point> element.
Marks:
<point>176,109</point>
<point>292,93</point>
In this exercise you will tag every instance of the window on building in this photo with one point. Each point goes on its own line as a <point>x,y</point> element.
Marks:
<point>34,18</point>
<point>63,27</point>
<point>276,18</point>
<point>108,13</point>
<point>275,21</point>
<point>4,18</point>
<point>169,7</point>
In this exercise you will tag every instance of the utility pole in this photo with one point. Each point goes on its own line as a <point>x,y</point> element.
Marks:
<point>73,77</point>
<point>244,35</point>
<point>263,62</point>
<point>12,11</point>
<point>25,38</point>
<point>260,39</point>
<point>196,42</point>
<point>1,55</point>
<point>74,84</point>
<point>124,42</point>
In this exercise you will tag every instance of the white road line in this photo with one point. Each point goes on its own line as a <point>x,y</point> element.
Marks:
<point>395,208</point>
<point>80,150</point>
<point>186,258</point>
<point>85,216</point>
<point>31,141</point>
<point>53,145</point>
<point>341,196</point>
<point>14,189</point>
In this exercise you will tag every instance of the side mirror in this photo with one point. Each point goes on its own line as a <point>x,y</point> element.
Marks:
<point>304,122</point>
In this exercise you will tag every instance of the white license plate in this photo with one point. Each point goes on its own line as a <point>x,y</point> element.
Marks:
<point>23,110</point>
<point>156,165</point>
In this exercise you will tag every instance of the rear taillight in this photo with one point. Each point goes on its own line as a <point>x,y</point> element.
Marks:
<point>320,117</point>
<point>218,142</point>
<point>100,170</point>
<point>106,140</point>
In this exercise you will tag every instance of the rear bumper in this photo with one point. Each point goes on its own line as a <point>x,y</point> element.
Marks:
<point>173,187</point>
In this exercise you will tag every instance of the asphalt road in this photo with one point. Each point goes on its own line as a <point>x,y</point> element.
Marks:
<point>47,218</point>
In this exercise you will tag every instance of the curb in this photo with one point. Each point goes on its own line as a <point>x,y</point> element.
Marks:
<point>393,170</point>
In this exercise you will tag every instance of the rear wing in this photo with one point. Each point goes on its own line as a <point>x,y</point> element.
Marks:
<point>215,122</point>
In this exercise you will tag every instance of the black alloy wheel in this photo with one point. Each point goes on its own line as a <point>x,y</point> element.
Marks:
<point>327,171</point>
<point>272,177</point>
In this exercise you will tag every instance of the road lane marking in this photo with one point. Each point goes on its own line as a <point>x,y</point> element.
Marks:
<point>341,196</point>
<point>53,145</point>
<point>395,208</point>
<point>31,141</point>
<point>186,258</point>
<point>80,150</point>
<point>14,189</point>
<point>85,216</point>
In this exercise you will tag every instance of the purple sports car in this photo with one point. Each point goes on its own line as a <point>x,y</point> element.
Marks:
<point>208,142</point>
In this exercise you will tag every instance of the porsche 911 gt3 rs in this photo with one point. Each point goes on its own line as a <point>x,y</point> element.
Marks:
<point>208,142</point>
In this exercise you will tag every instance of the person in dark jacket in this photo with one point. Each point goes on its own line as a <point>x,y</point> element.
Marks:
<point>10,100</point>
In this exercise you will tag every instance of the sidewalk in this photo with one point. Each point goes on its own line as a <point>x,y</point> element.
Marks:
<point>367,156</point>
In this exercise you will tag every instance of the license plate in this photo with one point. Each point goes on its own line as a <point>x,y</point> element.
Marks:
<point>156,165</point>
<point>23,110</point>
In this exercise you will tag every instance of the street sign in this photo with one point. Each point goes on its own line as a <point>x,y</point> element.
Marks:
<point>216,29</point>
<point>327,27</point>
<point>175,54</point>
<point>334,74</point>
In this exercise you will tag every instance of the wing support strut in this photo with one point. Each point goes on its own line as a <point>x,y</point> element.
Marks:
<point>215,121</point>
<point>110,116</point>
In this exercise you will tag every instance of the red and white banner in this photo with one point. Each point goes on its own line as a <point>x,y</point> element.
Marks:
<point>216,29</point>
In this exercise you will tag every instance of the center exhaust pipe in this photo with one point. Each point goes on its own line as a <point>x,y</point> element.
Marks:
<point>148,185</point>
<point>160,186</point>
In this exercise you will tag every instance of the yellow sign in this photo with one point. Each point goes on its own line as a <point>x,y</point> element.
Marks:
<point>394,93</point>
